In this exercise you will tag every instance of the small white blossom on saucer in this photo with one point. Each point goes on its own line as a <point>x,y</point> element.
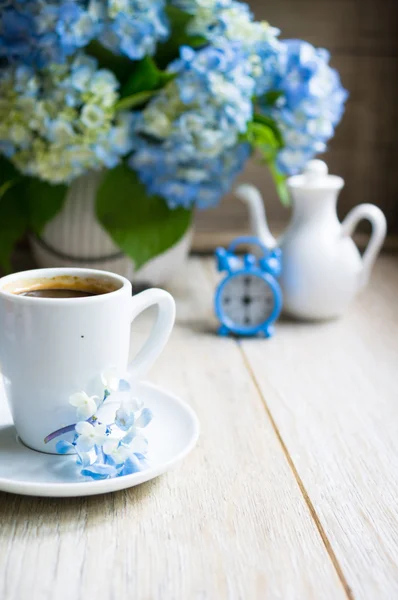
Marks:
<point>89,436</point>
<point>86,405</point>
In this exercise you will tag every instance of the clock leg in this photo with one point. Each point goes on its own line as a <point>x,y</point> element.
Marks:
<point>223,330</point>
<point>269,330</point>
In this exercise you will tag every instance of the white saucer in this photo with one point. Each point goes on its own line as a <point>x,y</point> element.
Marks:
<point>172,434</point>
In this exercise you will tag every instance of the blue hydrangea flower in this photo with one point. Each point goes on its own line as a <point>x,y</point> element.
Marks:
<point>38,33</point>
<point>125,416</point>
<point>107,450</point>
<point>231,21</point>
<point>310,106</point>
<point>201,8</point>
<point>187,140</point>
<point>133,27</point>
<point>57,123</point>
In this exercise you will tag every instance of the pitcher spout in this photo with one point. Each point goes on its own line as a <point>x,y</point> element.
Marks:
<point>251,196</point>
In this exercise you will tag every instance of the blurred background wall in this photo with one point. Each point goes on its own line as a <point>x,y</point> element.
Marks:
<point>362,38</point>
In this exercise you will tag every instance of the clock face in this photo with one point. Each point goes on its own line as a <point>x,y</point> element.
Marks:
<point>247,300</point>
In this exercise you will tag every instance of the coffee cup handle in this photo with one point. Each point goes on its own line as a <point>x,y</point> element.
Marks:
<point>161,329</point>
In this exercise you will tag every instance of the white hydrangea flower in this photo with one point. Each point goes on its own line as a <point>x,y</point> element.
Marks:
<point>61,121</point>
<point>86,405</point>
<point>118,452</point>
<point>92,116</point>
<point>89,436</point>
<point>111,379</point>
<point>121,452</point>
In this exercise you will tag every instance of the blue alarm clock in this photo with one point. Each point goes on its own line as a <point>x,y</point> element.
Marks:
<point>248,300</point>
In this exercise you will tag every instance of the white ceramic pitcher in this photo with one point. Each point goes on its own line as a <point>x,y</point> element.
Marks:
<point>323,269</point>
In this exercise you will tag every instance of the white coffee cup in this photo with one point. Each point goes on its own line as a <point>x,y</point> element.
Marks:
<point>52,348</point>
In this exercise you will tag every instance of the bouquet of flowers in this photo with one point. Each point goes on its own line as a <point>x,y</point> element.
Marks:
<point>169,98</point>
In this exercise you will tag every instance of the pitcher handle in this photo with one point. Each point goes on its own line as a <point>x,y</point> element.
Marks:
<point>378,221</point>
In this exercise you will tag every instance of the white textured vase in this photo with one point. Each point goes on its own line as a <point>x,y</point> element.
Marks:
<point>74,238</point>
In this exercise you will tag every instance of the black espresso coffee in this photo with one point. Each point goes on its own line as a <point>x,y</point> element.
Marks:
<point>59,293</point>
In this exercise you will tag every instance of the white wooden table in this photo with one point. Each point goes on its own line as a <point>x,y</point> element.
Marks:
<point>291,493</point>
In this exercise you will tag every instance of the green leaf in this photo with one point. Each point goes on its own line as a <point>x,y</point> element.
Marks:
<point>121,66</point>
<point>271,98</point>
<point>142,84</point>
<point>141,225</point>
<point>8,173</point>
<point>261,135</point>
<point>9,176</point>
<point>43,201</point>
<point>134,100</point>
<point>13,213</point>
<point>145,77</point>
<point>271,124</point>
<point>280,184</point>
<point>13,224</point>
<point>7,185</point>
<point>264,135</point>
<point>179,21</point>
<point>263,138</point>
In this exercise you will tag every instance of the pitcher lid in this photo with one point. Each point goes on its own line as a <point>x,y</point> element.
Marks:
<point>316,176</point>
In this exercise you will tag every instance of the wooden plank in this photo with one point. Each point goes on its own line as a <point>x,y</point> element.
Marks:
<point>230,523</point>
<point>331,389</point>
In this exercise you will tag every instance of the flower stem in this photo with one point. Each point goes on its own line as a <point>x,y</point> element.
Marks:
<point>66,429</point>
<point>59,432</point>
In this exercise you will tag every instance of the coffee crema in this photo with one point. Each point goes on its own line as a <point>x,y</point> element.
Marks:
<point>57,293</point>
<point>62,287</point>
